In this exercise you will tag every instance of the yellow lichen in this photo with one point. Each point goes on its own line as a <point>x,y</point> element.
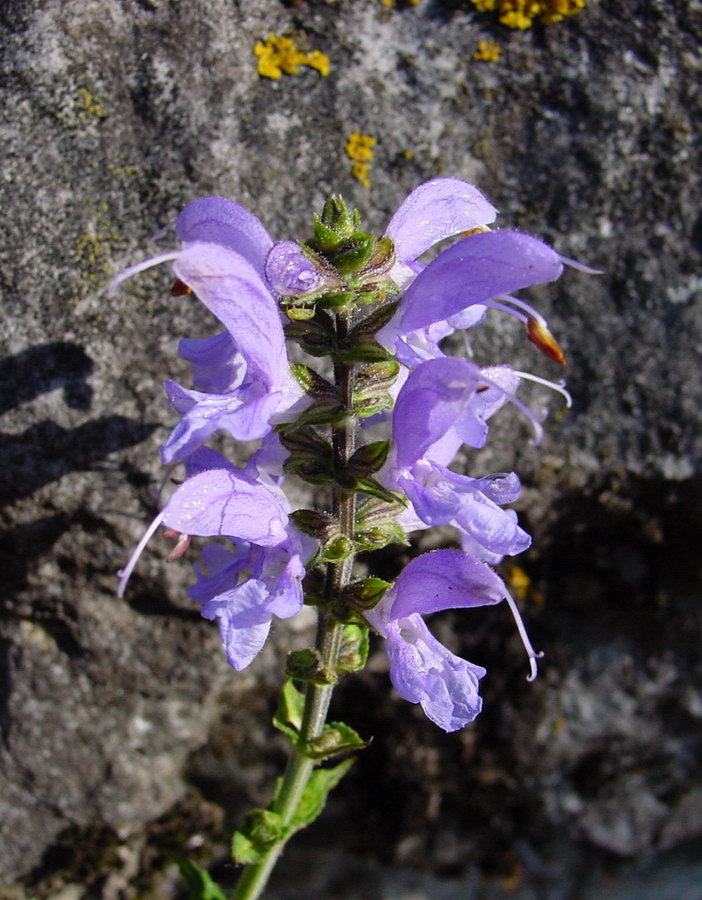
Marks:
<point>359,148</point>
<point>88,107</point>
<point>522,13</point>
<point>280,54</point>
<point>488,51</point>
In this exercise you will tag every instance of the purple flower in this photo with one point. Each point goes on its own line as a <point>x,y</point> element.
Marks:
<point>445,403</point>
<point>421,669</point>
<point>262,577</point>
<point>290,271</point>
<point>456,288</point>
<point>247,382</point>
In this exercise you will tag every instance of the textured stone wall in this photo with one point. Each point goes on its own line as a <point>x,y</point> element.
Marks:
<point>123,729</point>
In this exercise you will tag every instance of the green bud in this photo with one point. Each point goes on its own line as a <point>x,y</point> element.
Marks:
<point>373,512</point>
<point>322,413</point>
<point>381,260</point>
<point>336,549</point>
<point>368,458</point>
<point>357,348</point>
<point>380,536</point>
<point>352,254</point>
<point>304,442</point>
<point>313,383</point>
<point>313,471</point>
<point>316,336</point>
<point>366,593</point>
<point>375,321</point>
<point>353,653</point>
<point>317,524</point>
<point>368,485</point>
<point>338,217</point>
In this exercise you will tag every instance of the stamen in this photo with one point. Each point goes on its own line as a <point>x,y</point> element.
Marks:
<point>141,267</point>
<point>531,653</point>
<point>180,288</point>
<point>184,541</point>
<point>535,424</point>
<point>125,573</point>
<point>581,267</point>
<point>521,304</point>
<point>541,337</point>
<point>559,387</point>
<point>493,304</point>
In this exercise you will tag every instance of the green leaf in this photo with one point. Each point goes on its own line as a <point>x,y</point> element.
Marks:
<point>315,794</point>
<point>336,738</point>
<point>288,713</point>
<point>198,881</point>
<point>262,829</point>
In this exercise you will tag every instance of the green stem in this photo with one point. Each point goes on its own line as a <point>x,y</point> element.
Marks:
<point>255,876</point>
<point>317,698</point>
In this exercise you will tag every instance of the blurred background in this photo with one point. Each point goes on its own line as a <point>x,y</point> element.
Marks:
<point>125,735</point>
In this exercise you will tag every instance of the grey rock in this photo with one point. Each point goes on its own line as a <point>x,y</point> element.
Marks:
<point>114,114</point>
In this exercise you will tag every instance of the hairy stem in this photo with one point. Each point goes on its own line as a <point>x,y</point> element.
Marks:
<point>329,633</point>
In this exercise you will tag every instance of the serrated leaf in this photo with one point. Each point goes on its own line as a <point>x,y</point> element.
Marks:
<point>288,713</point>
<point>198,881</point>
<point>315,794</point>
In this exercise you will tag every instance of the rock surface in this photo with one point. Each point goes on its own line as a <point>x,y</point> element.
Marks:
<point>121,721</point>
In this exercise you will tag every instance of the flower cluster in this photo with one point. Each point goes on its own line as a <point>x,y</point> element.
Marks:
<point>379,313</point>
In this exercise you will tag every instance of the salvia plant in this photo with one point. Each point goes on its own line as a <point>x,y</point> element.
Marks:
<point>369,316</point>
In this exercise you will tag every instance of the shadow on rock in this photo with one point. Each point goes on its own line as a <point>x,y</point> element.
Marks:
<point>44,368</point>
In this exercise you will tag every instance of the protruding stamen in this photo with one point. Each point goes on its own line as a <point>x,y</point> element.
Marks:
<point>535,424</point>
<point>169,256</point>
<point>125,573</point>
<point>541,337</point>
<point>531,653</point>
<point>531,313</point>
<point>557,386</point>
<point>581,267</point>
